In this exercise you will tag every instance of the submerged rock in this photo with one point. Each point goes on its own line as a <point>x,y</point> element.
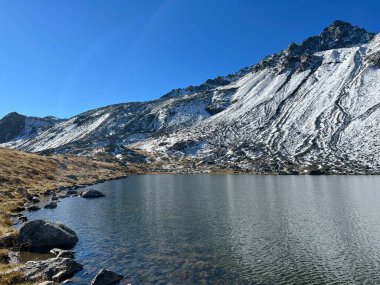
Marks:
<point>55,269</point>
<point>105,277</point>
<point>92,193</point>
<point>40,234</point>
<point>51,205</point>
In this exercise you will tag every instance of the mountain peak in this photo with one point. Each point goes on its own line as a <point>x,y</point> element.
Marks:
<point>339,34</point>
<point>12,115</point>
<point>340,24</point>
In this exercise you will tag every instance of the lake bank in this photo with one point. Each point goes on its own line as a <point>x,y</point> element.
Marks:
<point>23,175</point>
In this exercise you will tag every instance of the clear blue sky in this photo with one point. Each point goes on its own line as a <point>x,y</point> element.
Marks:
<point>63,57</point>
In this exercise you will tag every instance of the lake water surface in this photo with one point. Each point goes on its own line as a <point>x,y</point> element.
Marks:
<point>229,229</point>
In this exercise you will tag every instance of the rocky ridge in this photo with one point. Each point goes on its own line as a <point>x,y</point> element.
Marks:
<point>311,108</point>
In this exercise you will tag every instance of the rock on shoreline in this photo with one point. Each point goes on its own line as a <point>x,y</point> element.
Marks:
<point>53,269</point>
<point>40,234</point>
<point>92,193</point>
<point>105,277</point>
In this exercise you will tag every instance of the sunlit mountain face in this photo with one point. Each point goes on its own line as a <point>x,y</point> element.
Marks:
<point>313,107</point>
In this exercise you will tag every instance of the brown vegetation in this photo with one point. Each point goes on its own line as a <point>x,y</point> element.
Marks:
<point>39,173</point>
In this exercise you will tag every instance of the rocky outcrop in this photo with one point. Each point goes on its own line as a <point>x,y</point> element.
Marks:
<point>105,277</point>
<point>92,193</point>
<point>16,126</point>
<point>55,269</point>
<point>42,235</point>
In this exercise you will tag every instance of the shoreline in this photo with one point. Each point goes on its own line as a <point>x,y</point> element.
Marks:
<point>6,250</point>
<point>23,175</point>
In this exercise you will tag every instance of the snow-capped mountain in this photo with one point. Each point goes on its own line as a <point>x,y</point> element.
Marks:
<point>311,107</point>
<point>19,127</point>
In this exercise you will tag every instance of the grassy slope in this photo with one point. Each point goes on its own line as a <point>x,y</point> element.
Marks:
<point>37,174</point>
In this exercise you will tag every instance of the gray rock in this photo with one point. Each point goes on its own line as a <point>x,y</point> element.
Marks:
<point>74,177</point>
<point>40,234</point>
<point>48,192</point>
<point>33,208</point>
<point>54,198</point>
<point>62,253</point>
<point>35,199</point>
<point>61,188</point>
<point>55,269</point>
<point>48,283</point>
<point>71,192</point>
<point>23,219</point>
<point>105,277</point>
<point>51,205</point>
<point>92,193</point>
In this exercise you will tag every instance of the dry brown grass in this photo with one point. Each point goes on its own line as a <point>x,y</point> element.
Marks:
<point>36,174</point>
<point>10,276</point>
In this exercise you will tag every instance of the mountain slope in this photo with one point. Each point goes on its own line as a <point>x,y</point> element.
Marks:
<point>15,126</point>
<point>312,107</point>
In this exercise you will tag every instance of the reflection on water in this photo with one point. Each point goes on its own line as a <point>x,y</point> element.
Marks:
<point>229,229</point>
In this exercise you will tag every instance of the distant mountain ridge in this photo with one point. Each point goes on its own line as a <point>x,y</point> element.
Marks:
<point>15,126</point>
<point>313,107</point>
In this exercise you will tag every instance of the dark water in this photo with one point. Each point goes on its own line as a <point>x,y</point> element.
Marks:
<point>229,229</point>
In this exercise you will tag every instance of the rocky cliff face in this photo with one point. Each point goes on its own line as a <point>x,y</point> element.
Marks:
<point>311,107</point>
<point>19,127</point>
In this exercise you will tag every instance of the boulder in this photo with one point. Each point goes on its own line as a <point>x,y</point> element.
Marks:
<point>54,198</point>
<point>62,253</point>
<point>48,192</point>
<point>61,188</point>
<point>48,283</point>
<point>35,199</point>
<point>71,192</point>
<point>51,205</point>
<point>23,219</point>
<point>55,269</point>
<point>71,176</point>
<point>33,208</point>
<point>92,193</point>
<point>105,277</point>
<point>42,235</point>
